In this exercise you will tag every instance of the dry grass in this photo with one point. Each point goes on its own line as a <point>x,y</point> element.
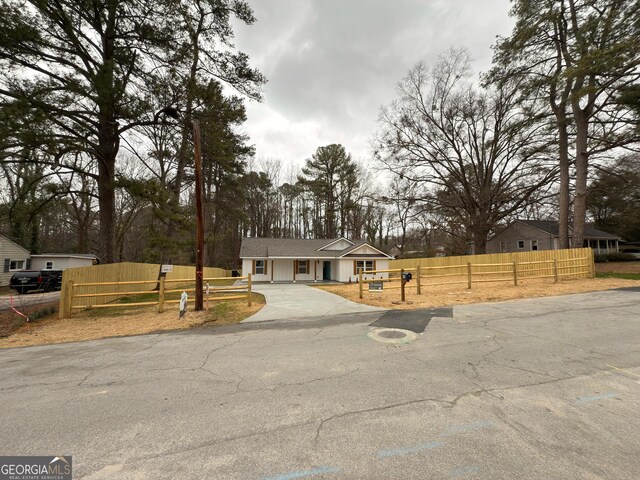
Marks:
<point>95,324</point>
<point>434,296</point>
<point>618,267</point>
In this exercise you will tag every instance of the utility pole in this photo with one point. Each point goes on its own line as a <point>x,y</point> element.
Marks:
<point>199,216</point>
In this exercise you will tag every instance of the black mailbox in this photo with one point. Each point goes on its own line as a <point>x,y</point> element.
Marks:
<point>407,276</point>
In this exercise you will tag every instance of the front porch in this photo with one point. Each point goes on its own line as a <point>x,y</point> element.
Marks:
<point>293,270</point>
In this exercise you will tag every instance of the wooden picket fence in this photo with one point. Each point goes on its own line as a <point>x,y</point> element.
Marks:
<point>470,269</point>
<point>102,285</point>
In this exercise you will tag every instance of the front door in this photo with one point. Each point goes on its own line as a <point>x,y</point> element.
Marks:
<point>326,270</point>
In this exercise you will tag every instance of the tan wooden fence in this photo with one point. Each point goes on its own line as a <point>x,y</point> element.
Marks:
<point>470,269</point>
<point>124,278</point>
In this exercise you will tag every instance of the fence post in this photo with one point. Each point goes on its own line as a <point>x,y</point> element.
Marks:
<point>249,289</point>
<point>555,270</point>
<point>360,282</point>
<point>161,295</point>
<point>469,275</point>
<point>402,296</point>
<point>515,273</point>
<point>418,286</point>
<point>69,299</point>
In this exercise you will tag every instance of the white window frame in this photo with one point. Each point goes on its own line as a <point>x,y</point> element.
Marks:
<point>365,265</point>
<point>518,245</point>
<point>260,268</point>
<point>303,270</point>
<point>536,244</point>
<point>46,265</point>
<point>15,269</point>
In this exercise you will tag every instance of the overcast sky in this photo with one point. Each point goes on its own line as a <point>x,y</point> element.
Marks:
<point>331,64</point>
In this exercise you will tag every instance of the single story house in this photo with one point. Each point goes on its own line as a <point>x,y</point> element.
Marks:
<point>291,260</point>
<point>14,258</point>
<point>62,261</point>
<point>527,235</point>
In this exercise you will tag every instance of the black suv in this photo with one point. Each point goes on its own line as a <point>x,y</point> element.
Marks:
<point>36,280</point>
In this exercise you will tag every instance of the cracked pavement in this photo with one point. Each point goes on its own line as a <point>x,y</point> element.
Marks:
<point>541,388</point>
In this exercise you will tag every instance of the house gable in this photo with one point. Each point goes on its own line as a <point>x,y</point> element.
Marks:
<point>337,245</point>
<point>364,250</point>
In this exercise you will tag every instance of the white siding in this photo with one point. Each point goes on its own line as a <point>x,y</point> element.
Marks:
<point>59,263</point>
<point>345,269</point>
<point>10,251</point>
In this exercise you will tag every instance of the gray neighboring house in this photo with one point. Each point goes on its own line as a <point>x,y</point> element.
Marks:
<point>62,261</point>
<point>531,235</point>
<point>14,258</point>
<point>291,260</point>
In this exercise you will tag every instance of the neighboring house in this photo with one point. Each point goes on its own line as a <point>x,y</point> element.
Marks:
<point>13,257</point>
<point>62,261</point>
<point>291,260</point>
<point>527,235</point>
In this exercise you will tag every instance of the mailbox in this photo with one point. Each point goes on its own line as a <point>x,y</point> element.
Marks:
<point>407,276</point>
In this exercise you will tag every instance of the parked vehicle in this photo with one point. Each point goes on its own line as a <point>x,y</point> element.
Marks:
<point>36,280</point>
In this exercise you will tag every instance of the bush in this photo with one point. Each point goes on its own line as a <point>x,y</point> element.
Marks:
<point>615,257</point>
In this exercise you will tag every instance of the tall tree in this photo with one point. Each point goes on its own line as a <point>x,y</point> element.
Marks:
<point>83,65</point>
<point>330,175</point>
<point>479,154</point>
<point>578,54</point>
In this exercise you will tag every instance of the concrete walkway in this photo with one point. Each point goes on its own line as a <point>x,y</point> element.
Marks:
<point>288,301</point>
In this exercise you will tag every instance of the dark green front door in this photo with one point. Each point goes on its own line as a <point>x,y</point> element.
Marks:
<point>326,271</point>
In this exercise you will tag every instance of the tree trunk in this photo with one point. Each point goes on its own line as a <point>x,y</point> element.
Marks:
<point>582,166</point>
<point>107,193</point>
<point>564,199</point>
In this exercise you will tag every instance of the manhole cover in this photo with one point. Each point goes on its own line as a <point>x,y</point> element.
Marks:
<point>392,334</point>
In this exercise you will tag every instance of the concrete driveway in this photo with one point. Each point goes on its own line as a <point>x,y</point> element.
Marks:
<point>295,300</point>
<point>534,389</point>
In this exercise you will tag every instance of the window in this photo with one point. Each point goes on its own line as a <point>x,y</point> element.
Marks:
<point>521,244</point>
<point>49,266</point>
<point>303,267</point>
<point>503,246</point>
<point>259,267</point>
<point>364,265</point>
<point>534,244</point>
<point>16,265</point>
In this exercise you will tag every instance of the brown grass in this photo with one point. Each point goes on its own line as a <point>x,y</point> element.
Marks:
<point>434,296</point>
<point>95,324</point>
<point>618,267</point>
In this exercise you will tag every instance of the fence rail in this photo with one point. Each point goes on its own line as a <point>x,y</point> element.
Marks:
<point>125,279</point>
<point>210,293</point>
<point>485,269</point>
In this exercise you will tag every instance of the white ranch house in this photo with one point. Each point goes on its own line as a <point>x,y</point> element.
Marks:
<point>304,260</point>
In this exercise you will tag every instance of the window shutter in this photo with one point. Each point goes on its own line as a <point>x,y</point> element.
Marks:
<point>374,265</point>
<point>266,262</point>
<point>7,264</point>
<point>253,267</point>
<point>308,267</point>
<point>355,271</point>
<point>29,264</point>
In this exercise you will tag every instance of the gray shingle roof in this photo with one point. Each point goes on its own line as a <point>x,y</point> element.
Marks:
<point>293,247</point>
<point>551,227</point>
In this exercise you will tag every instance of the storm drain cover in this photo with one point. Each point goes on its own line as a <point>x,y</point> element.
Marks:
<point>392,335</point>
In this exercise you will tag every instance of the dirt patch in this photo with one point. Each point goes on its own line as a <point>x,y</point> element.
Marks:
<point>441,295</point>
<point>95,324</point>
<point>618,267</point>
<point>11,321</point>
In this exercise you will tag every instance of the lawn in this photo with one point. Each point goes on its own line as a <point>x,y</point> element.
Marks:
<point>93,324</point>
<point>443,295</point>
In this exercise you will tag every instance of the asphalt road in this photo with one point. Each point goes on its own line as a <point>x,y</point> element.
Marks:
<point>533,389</point>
